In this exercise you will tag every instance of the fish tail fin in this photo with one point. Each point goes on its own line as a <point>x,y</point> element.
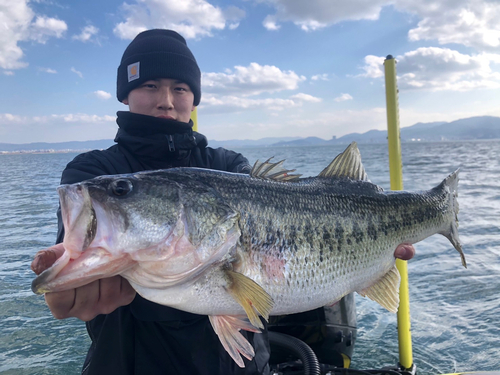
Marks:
<point>450,184</point>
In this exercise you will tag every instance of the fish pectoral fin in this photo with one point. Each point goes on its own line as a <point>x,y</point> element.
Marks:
<point>251,296</point>
<point>386,290</point>
<point>228,329</point>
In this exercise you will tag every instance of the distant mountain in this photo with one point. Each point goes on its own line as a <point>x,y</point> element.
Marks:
<point>252,143</point>
<point>309,141</point>
<point>57,147</point>
<point>105,143</point>
<point>483,127</point>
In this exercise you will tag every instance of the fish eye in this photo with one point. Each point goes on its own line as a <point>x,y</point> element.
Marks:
<point>121,188</point>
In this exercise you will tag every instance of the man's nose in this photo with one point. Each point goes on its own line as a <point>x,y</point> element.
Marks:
<point>165,98</point>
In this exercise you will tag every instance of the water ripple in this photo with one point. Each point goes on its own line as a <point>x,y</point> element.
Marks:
<point>455,320</point>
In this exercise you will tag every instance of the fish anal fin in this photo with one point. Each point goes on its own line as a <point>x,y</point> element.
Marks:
<point>386,290</point>
<point>347,164</point>
<point>251,296</point>
<point>273,171</point>
<point>228,329</point>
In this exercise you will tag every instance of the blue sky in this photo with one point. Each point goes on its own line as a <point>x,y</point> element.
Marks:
<point>269,67</point>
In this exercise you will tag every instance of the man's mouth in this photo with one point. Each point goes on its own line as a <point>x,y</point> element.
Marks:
<point>166,117</point>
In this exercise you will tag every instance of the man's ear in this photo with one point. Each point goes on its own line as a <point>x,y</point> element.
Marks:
<point>125,101</point>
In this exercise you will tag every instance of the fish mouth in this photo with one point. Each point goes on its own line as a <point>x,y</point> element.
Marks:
<point>91,265</point>
<point>78,216</point>
<point>80,263</point>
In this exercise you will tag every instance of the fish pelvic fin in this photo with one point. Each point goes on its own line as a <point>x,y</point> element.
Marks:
<point>347,164</point>
<point>273,171</point>
<point>385,291</point>
<point>450,184</point>
<point>228,329</point>
<point>251,296</point>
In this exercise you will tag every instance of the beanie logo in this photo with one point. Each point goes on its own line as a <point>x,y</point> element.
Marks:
<point>133,71</point>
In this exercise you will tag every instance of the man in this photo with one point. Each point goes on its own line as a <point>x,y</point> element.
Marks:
<point>159,80</point>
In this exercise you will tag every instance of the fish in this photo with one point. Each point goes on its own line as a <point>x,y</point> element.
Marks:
<point>240,248</point>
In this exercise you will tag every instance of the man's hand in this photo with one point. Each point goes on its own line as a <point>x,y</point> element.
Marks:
<point>86,302</point>
<point>405,251</point>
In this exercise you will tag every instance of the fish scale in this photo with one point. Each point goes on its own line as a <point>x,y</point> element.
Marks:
<point>228,245</point>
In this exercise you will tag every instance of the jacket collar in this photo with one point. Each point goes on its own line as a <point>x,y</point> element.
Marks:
<point>157,140</point>
<point>143,125</point>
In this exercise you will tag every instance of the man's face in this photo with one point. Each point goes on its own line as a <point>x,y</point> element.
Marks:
<point>162,97</point>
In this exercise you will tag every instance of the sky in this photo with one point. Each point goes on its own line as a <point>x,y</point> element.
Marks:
<point>270,68</point>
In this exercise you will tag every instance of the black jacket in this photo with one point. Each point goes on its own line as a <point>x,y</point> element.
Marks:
<point>144,337</point>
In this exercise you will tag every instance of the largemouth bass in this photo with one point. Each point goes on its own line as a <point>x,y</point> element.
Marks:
<point>234,246</point>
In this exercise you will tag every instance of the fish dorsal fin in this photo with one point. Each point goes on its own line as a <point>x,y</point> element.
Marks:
<point>273,171</point>
<point>386,290</point>
<point>251,296</point>
<point>347,164</point>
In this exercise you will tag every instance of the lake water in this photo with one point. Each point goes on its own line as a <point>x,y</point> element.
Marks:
<point>455,311</point>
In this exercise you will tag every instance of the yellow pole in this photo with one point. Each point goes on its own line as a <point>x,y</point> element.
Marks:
<point>194,117</point>
<point>396,172</point>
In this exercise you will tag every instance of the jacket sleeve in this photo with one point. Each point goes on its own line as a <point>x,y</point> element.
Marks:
<point>227,160</point>
<point>237,162</point>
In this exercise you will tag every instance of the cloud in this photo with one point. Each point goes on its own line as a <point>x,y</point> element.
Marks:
<point>56,127</point>
<point>87,33</point>
<point>81,118</point>
<point>343,122</point>
<point>343,98</point>
<point>270,23</point>
<point>251,80</point>
<point>231,103</point>
<point>306,98</point>
<point>473,23</point>
<point>316,14</point>
<point>9,117</point>
<point>44,27</point>
<point>320,77</point>
<point>69,117</point>
<point>102,94</point>
<point>233,15</point>
<point>79,74</point>
<point>374,67</point>
<point>48,70</point>
<point>191,18</point>
<point>293,124</point>
<point>20,24</point>
<point>437,69</point>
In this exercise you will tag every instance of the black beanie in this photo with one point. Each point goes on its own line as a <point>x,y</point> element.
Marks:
<point>155,54</point>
